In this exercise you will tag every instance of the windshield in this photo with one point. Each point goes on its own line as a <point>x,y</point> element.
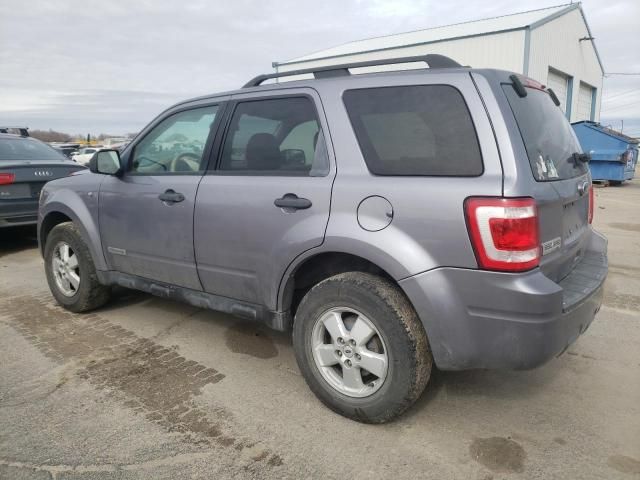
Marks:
<point>548,137</point>
<point>27,149</point>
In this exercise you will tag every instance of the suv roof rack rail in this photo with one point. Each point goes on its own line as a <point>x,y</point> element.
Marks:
<point>432,60</point>
<point>24,131</point>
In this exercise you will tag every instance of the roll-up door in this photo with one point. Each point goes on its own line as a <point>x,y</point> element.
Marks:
<point>559,84</point>
<point>585,100</point>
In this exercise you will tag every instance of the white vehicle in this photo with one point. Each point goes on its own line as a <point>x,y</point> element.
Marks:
<point>84,155</point>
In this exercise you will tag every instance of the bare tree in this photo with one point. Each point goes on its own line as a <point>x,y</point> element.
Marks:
<point>50,135</point>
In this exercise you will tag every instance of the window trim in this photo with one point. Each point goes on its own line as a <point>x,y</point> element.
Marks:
<point>464,100</point>
<point>206,152</point>
<point>214,166</point>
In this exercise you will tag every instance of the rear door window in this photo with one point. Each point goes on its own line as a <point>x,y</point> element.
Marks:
<point>275,136</point>
<point>414,130</point>
<point>547,135</point>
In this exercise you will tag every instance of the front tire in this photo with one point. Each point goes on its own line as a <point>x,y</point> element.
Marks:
<point>361,347</point>
<point>70,271</point>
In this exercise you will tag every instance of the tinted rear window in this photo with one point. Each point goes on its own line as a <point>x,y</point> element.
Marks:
<point>27,149</point>
<point>548,137</point>
<point>414,130</point>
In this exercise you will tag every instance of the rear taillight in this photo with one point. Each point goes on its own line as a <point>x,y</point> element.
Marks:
<point>504,232</point>
<point>7,178</point>
<point>591,203</point>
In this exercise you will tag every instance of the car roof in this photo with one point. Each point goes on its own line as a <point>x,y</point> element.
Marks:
<point>13,136</point>
<point>437,64</point>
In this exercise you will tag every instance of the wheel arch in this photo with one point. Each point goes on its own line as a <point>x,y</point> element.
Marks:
<point>310,269</point>
<point>58,211</point>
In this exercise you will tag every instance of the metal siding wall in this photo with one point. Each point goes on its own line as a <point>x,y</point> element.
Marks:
<point>555,44</point>
<point>501,50</point>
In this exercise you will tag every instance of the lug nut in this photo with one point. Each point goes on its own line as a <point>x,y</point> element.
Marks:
<point>340,340</point>
<point>352,342</point>
<point>339,353</point>
<point>358,357</point>
<point>348,363</point>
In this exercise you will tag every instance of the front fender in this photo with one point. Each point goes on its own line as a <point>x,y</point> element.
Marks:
<point>82,209</point>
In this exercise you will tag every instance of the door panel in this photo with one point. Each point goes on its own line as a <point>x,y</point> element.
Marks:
<point>144,236</point>
<point>146,216</point>
<point>243,241</point>
<point>274,150</point>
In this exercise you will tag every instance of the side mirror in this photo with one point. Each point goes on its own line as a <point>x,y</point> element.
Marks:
<point>106,162</point>
<point>294,156</point>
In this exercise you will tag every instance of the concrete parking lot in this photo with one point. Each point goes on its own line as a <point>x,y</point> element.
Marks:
<point>147,388</point>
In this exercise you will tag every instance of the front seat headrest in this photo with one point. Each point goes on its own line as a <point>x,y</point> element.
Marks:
<point>263,152</point>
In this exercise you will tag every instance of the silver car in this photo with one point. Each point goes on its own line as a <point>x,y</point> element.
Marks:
<point>393,221</point>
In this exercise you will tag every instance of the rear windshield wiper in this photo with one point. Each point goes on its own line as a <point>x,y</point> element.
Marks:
<point>578,158</point>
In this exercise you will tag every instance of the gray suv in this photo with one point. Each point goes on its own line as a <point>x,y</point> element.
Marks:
<point>393,221</point>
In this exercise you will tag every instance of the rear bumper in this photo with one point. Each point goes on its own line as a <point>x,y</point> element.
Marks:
<point>480,319</point>
<point>14,213</point>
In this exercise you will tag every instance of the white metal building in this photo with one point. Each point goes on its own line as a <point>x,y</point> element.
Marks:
<point>551,45</point>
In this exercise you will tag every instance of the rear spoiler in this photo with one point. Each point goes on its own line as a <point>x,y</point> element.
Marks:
<point>519,87</point>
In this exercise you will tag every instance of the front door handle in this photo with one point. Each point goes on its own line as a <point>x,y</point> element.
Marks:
<point>291,202</point>
<point>171,196</point>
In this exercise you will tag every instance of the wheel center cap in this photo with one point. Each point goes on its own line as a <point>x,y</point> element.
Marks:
<point>348,352</point>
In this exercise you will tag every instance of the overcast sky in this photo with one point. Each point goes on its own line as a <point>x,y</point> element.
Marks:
<point>111,65</point>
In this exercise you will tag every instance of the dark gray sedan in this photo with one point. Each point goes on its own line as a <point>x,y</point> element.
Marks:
<point>26,164</point>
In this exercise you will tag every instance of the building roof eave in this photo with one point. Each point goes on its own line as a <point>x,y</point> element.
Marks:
<point>575,6</point>
<point>396,47</point>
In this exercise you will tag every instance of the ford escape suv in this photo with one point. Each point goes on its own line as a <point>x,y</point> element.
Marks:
<point>393,221</point>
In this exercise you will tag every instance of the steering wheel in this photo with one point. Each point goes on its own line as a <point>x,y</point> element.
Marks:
<point>141,158</point>
<point>185,162</point>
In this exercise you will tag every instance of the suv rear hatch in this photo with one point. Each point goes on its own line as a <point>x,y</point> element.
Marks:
<point>563,184</point>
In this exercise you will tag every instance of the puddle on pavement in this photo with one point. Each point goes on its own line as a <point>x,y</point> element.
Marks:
<point>624,464</point>
<point>498,454</point>
<point>630,227</point>
<point>622,301</point>
<point>251,340</point>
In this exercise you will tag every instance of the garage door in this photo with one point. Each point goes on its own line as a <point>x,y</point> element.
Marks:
<point>558,83</point>
<point>585,98</point>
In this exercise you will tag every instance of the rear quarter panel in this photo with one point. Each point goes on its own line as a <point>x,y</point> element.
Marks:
<point>428,229</point>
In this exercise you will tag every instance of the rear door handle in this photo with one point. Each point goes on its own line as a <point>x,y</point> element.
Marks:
<point>291,202</point>
<point>171,196</point>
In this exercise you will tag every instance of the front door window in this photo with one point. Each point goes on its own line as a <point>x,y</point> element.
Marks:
<point>176,145</point>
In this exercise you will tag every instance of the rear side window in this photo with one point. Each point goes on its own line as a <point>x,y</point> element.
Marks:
<point>547,135</point>
<point>279,136</point>
<point>414,130</point>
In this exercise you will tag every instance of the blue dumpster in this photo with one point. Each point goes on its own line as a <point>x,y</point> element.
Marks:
<point>613,155</point>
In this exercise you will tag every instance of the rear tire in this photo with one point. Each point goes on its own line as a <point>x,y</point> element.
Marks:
<point>333,363</point>
<point>70,271</point>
